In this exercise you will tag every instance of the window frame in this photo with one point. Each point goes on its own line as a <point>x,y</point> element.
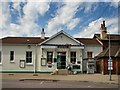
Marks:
<point>29,57</point>
<point>89,54</point>
<point>49,59</point>
<point>12,56</point>
<point>73,57</point>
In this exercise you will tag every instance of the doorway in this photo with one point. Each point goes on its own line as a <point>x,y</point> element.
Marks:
<point>61,60</point>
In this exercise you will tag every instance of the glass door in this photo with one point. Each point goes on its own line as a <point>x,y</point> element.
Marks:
<point>61,60</point>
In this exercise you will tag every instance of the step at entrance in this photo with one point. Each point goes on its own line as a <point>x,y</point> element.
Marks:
<point>63,72</point>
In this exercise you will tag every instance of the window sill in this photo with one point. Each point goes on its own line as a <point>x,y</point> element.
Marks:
<point>12,61</point>
<point>29,64</point>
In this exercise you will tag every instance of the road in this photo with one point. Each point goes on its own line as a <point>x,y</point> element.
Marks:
<point>8,83</point>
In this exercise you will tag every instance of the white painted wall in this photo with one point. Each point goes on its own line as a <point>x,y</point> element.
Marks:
<point>62,39</point>
<point>45,68</point>
<point>20,54</point>
<point>96,49</point>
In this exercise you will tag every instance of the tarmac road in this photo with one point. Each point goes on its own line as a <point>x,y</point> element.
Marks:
<point>17,83</point>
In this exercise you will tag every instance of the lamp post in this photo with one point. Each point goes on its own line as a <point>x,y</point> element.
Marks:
<point>110,61</point>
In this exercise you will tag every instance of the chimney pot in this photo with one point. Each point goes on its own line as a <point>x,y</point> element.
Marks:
<point>42,29</point>
<point>42,34</point>
<point>104,23</point>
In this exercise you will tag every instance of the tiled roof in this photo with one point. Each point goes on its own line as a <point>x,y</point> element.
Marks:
<point>112,36</point>
<point>22,40</point>
<point>114,52</point>
<point>88,41</point>
<point>37,40</point>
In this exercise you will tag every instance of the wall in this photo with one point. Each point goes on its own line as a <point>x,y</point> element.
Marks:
<point>45,68</point>
<point>96,49</point>
<point>115,70</point>
<point>62,39</point>
<point>20,54</point>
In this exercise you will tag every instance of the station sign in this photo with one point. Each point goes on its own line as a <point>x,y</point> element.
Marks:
<point>110,64</point>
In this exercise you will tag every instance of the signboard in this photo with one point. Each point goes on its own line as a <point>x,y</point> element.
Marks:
<point>110,64</point>
<point>43,61</point>
<point>22,63</point>
<point>64,46</point>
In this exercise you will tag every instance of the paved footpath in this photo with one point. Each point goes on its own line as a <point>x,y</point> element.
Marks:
<point>79,77</point>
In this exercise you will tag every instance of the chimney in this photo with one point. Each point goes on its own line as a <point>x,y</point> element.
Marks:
<point>103,23</point>
<point>42,34</point>
<point>103,34</point>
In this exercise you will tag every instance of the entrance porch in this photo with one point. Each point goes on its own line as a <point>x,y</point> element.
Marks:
<point>59,56</point>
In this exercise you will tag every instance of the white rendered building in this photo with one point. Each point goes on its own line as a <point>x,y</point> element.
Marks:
<point>46,54</point>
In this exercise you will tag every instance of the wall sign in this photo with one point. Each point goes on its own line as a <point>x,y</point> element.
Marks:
<point>110,64</point>
<point>22,63</point>
<point>43,61</point>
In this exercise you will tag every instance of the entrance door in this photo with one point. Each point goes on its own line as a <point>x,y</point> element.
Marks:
<point>61,60</point>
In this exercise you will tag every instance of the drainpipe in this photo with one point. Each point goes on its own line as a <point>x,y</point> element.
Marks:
<point>35,61</point>
<point>82,56</point>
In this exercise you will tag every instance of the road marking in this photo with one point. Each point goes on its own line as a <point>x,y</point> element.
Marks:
<point>41,82</point>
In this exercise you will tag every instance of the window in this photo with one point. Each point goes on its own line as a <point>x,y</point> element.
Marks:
<point>89,54</point>
<point>0,57</point>
<point>11,56</point>
<point>73,57</point>
<point>29,57</point>
<point>49,57</point>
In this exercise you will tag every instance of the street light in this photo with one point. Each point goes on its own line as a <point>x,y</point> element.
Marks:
<point>110,61</point>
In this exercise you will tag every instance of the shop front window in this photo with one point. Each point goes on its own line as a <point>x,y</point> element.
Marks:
<point>49,57</point>
<point>73,57</point>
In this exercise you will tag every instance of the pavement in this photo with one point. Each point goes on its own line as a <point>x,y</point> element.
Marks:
<point>97,78</point>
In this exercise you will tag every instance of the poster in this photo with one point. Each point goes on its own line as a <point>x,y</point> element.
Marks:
<point>22,63</point>
<point>43,62</point>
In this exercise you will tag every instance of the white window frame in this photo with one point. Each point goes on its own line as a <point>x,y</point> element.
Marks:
<point>29,57</point>
<point>13,56</point>
<point>73,57</point>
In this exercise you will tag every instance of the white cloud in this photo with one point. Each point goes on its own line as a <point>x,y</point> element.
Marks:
<point>27,25</point>
<point>31,11</point>
<point>112,25</point>
<point>42,7</point>
<point>5,17</point>
<point>94,27</point>
<point>16,5</point>
<point>64,18</point>
<point>88,6</point>
<point>73,23</point>
<point>114,4</point>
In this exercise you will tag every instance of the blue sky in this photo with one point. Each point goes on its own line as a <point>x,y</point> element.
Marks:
<point>79,19</point>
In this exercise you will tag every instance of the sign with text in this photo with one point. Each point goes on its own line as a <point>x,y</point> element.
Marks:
<point>110,64</point>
